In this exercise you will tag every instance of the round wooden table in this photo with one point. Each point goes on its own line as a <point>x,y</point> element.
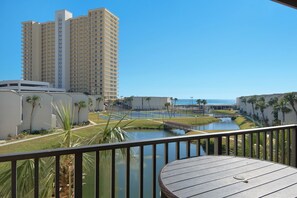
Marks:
<point>227,176</point>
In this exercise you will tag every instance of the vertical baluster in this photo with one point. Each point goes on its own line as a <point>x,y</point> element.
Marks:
<point>128,173</point>
<point>288,147</point>
<point>271,145</point>
<point>235,145</point>
<point>78,175</point>
<point>97,164</point>
<point>154,170</point>
<point>13,179</point>
<point>141,171</point>
<point>207,146</point>
<point>36,177</point>
<point>113,173</point>
<point>218,145</point>
<point>166,153</point>
<point>57,177</point>
<point>283,146</point>
<point>198,147</point>
<point>265,145</point>
<point>294,147</point>
<point>276,145</point>
<point>188,148</point>
<point>177,151</point>
<point>243,145</point>
<point>227,145</point>
<point>258,145</point>
<point>251,144</point>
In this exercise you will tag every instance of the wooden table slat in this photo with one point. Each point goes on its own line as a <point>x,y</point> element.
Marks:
<point>214,175</point>
<point>195,178</point>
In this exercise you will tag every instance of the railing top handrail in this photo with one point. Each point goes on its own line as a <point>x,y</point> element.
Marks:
<point>135,143</point>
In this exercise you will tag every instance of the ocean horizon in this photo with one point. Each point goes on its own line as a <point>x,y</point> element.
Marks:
<point>209,101</point>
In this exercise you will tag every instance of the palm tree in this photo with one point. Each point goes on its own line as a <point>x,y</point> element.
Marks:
<point>273,102</point>
<point>67,161</point>
<point>243,100</point>
<point>291,99</point>
<point>283,105</point>
<point>167,105</point>
<point>175,100</point>
<point>98,100</point>
<point>199,101</point>
<point>81,104</point>
<point>25,177</point>
<point>261,105</point>
<point>90,103</point>
<point>34,101</point>
<point>204,102</point>
<point>252,100</point>
<point>110,134</point>
<point>148,99</point>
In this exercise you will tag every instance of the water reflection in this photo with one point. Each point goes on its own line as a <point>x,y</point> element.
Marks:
<point>224,124</point>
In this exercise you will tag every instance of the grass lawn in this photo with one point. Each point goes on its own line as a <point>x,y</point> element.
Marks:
<point>244,123</point>
<point>52,141</point>
<point>94,117</point>
<point>225,112</point>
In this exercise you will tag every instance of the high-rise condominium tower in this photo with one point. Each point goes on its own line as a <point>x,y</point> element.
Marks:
<point>77,54</point>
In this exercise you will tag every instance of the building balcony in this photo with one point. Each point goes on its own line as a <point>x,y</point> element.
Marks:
<point>275,144</point>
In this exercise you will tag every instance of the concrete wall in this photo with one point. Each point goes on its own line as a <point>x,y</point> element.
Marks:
<point>10,113</point>
<point>42,115</point>
<point>290,118</point>
<point>154,103</point>
<point>83,115</point>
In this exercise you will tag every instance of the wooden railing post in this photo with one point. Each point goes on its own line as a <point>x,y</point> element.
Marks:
<point>294,147</point>
<point>218,145</point>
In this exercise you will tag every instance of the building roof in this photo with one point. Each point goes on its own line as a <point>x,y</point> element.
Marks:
<point>27,85</point>
<point>290,3</point>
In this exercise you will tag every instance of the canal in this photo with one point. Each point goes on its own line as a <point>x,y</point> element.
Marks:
<point>88,190</point>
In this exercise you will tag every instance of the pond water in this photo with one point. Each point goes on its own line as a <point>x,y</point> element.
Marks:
<point>88,190</point>
<point>224,124</point>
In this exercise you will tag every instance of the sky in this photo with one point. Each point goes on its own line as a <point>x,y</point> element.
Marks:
<point>211,49</point>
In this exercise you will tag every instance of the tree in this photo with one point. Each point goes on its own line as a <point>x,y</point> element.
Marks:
<point>81,104</point>
<point>243,100</point>
<point>261,105</point>
<point>204,102</point>
<point>34,101</point>
<point>148,99</point>
<point>90,103</point>
<point>175,100</point>
<point>167,105</point>
<point>273,102</point>
<point>110,134</point>
<point>199,101</point>
<point>283,105</point>
<point>291,98</point>
<point>69,140</point>
<point>98,100</point>
<point>252,100</point>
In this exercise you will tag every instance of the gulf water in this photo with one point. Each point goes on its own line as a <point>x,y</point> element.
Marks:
<point>209,101</point>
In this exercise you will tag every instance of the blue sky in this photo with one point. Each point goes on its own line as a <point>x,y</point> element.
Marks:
<point>180,48</point>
